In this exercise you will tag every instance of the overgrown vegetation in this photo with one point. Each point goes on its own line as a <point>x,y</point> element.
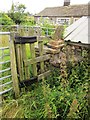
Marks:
<point>15,16</point>
<point>57,96</point>
<point>49,98</point>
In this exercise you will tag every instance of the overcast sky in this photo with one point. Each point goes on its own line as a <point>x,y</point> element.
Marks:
<point>35,6</point>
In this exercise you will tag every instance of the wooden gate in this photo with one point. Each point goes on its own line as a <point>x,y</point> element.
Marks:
<point>26,70</point>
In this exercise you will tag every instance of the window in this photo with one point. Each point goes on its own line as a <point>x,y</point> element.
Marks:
<point>63,21</point>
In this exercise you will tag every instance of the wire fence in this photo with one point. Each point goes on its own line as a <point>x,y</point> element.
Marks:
<point>46,31</point>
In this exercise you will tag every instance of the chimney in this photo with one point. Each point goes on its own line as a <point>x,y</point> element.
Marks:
<point>66,2</point>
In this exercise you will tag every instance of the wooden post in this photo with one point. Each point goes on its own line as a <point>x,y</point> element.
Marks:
<point>13,65</point>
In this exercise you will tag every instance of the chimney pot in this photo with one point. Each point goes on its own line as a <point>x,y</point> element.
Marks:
<point>66,2</point>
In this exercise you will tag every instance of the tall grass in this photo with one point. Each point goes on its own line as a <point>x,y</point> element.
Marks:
<point>4,40</point>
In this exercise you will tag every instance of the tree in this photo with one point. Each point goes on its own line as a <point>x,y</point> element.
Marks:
<point>17,12</point>
<point>28,20</point>
<point>5,20</point>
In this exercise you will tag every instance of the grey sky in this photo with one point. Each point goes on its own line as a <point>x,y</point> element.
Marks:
<point>35,6</point>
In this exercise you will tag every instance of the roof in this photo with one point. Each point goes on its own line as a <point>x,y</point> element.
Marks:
<point>78,31</point>
<point>71,10</point>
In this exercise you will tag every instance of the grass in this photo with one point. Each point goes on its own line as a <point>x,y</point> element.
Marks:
<point>4,40</point>
<point>46,99</point>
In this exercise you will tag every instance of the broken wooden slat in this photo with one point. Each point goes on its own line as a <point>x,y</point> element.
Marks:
<point>37,59</point>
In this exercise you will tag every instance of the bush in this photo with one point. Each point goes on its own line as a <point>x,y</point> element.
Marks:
<point>5,20</point>
<point>51,100</point>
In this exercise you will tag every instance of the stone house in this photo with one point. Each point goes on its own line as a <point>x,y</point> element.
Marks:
<point>65,14</point>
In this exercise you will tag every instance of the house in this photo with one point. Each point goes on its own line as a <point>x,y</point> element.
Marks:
<point>65,14</point>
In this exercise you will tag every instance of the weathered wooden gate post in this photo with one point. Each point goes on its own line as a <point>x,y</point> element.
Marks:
<point>13,65</point>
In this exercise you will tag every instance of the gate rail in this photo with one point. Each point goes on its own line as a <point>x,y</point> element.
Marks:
<point>5,70</point>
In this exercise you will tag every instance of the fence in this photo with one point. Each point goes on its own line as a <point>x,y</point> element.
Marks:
<point>44,31</point>
<point>5,70</point>
<point>19,68</point>
<point>25,70</point>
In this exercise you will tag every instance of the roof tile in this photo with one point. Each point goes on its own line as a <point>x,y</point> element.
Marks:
<point>71,10</point>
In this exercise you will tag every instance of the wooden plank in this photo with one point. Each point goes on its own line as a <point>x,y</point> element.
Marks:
<point>37,59</point>
<point>19,62</point>
<point>18,54</point>
<point>20,57</point>
<point>24,57</point>
<point>40,44</point>
<point>13,66</point>
<point>45,74</point>
<point>32,50</point>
